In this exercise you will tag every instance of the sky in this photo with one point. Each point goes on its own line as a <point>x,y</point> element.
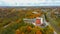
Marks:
<point>29,2</point>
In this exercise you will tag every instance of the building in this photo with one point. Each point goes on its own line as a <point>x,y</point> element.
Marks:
<point>36,21</point>
<point>39,21</point>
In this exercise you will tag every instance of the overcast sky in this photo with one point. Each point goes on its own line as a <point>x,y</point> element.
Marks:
<point>29,2</point>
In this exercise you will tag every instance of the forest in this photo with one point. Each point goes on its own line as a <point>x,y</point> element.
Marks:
<point>11,20</point>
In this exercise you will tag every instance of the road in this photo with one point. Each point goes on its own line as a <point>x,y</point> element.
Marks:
<point>54,25</point>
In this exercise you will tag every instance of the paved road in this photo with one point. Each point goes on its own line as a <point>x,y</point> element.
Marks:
<point>54,25</point>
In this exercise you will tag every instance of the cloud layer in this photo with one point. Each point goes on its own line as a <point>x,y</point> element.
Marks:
<point>29,2</point>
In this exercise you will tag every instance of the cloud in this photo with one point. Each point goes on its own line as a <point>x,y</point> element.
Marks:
<point>29,2</point>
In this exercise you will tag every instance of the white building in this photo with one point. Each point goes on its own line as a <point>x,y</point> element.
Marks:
<point>36,21</point>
